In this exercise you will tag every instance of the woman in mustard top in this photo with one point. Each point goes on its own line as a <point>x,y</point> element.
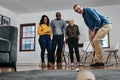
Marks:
<point>44,32</point>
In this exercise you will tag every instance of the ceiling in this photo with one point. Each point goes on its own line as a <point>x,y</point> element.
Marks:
<point>28,6</point>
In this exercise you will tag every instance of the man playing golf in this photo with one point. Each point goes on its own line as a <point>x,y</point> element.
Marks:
<point>98,25</point>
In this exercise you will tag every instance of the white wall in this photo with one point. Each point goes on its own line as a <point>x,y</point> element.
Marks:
<point>34,57</point>
<point>10,14</point>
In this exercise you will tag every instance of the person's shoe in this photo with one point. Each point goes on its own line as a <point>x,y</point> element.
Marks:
<point>43,64</point>
<point>97,64</point>
<point>79,64</point>
<point>50,64</point>
<point>59,67</point>
<point>50,68</point>
<point>72,64</point>
<point>59,64</point>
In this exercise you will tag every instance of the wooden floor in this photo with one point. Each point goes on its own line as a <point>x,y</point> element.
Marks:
<point>37,67</point>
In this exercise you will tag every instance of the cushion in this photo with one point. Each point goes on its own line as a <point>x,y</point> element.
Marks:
<point>5,45</point>
<point>4,57</point>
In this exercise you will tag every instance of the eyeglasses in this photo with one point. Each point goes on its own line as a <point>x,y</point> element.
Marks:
<point>77,10</point>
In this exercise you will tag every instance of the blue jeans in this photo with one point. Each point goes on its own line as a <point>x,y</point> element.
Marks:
<point>57,40</point>
<point>45,43</point>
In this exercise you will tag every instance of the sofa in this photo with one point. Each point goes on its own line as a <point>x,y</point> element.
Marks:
<point>8,46</point>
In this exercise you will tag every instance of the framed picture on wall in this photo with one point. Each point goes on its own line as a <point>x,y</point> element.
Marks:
<point>5,21</point>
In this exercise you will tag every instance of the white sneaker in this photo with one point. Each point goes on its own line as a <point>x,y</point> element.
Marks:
<point>72,64</point>
<point>79,64</point>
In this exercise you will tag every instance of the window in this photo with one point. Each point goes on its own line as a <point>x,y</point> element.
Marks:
<point>27,37</point>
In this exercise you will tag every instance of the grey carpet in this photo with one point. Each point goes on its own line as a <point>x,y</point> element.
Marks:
<point>58,75</point>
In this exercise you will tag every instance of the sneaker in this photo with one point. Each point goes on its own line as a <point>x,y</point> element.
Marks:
<point>79,64</point>
<point>72,64</point>
<point>97,64</point>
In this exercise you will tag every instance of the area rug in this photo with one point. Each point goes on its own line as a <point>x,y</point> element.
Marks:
<point>58,75</point>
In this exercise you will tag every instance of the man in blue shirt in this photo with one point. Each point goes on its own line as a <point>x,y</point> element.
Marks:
<point>98,26</point>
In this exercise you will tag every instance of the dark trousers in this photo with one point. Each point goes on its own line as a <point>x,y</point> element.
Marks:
<point>73,45</point>
<point>57,40</point>
<point>45,43</point>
